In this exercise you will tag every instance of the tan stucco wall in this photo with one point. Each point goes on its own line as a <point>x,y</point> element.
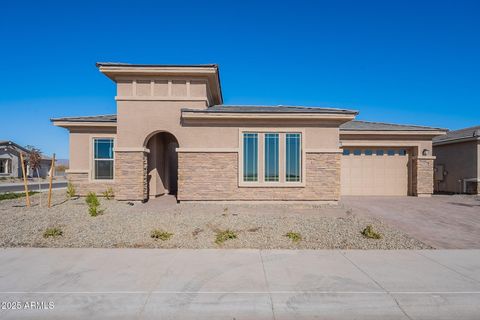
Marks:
<point>417,142</point>
<point>81,145</point>
<point>460,160</point>
<point>134,127</point>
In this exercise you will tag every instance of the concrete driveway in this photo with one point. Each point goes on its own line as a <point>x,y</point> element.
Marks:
<point>239,284</point>
<point>442,221</point>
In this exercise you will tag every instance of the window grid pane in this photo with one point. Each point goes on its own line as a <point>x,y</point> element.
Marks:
<point>104,169</point>
<point>293,157</point>
<point>103,159</point>
<point>271,157</point>
<point>250,157</point>
<point>103,149</point>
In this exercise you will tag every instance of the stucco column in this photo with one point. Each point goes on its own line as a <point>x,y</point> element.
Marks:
<point>422,175</point>
<point>131,174</point>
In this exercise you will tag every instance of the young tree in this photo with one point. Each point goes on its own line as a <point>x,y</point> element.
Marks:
<point>34,161</point>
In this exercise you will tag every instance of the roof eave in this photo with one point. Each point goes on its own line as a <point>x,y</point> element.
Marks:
<point>69,124</point>
<point>187,115</point>
<point>458,140</point>
<point>433,132</point>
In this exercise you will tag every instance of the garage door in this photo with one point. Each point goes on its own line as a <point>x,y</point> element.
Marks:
<point>375,171</point>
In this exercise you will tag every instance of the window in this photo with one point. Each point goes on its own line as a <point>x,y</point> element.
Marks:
<point>103,159</point>
<point>293,157</point>
<point>5,166</point>
<point>271,157</point>
<point>379,152</point>
<point>391,152</point>
<point>368,152</point>
<point>346,152</point>
<point>250,157</point>
<point>402,152</point>
<point>357,152</point>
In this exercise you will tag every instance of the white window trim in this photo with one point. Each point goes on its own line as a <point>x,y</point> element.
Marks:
<point>7,166</point>
<point>92,158</point>
<point>261,183</point>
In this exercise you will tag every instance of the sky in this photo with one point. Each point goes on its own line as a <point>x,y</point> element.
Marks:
<point>408,62</point>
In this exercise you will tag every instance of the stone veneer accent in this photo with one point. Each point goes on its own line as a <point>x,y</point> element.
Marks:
<point>214,176</point>
<point>83,185</point>
<point>422,176</point>
<point>131,175</point>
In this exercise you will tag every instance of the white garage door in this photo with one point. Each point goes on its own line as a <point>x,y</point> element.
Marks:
<point>374,171</point>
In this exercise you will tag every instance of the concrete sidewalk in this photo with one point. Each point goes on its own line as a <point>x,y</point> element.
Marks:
<point>241,284</point>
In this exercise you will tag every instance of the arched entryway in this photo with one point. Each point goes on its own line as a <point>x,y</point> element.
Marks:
<point>162,174</point>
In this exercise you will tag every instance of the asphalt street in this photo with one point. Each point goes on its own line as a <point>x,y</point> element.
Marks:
<point>32,186</point>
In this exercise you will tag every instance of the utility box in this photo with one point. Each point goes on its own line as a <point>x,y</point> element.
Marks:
<point>439,172</point>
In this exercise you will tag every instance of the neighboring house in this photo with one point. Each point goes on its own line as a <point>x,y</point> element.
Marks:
<point>10,165</point>
<point>457,167</point>
<point>172,134</point>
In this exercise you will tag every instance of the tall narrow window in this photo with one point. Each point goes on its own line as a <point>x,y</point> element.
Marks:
<point>250,157</point>
<point>271,157</point>
<point>293,155</point>
<point>103,159</point>
<point>4,166</point>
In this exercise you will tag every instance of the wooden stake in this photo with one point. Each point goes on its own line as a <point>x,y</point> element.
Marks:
<point>52,170</point>
<point>27,196</point>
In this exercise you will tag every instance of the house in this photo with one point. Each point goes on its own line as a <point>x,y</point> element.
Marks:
<point>173,134</point>
<point>457,166</point>
<point>10,165</point>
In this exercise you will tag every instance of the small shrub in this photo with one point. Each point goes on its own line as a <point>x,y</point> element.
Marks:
<point>108,194</point>
<point>159,234</point>
<point>294,236</point>
<point>93,204</point>
<point>70,190</point>
<point>368,232</point>
<point>15,195</point>
<point>225,235</point>
<point>53,232</point>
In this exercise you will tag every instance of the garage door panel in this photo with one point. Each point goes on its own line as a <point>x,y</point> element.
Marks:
<point>371,174</point>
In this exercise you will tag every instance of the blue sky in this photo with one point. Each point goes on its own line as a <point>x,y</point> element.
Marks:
<point>414,62</point>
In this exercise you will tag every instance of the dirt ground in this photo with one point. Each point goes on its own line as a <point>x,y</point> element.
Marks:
<point>192,225</point>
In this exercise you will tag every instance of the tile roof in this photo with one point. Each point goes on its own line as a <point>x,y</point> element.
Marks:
<point>12,144</point>
<point>459,135</point>
<point>356,125</point>
<point>270,109</point>
<point>99,118</point>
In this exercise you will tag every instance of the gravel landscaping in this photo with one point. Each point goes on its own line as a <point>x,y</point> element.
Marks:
<point>191,225</point>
